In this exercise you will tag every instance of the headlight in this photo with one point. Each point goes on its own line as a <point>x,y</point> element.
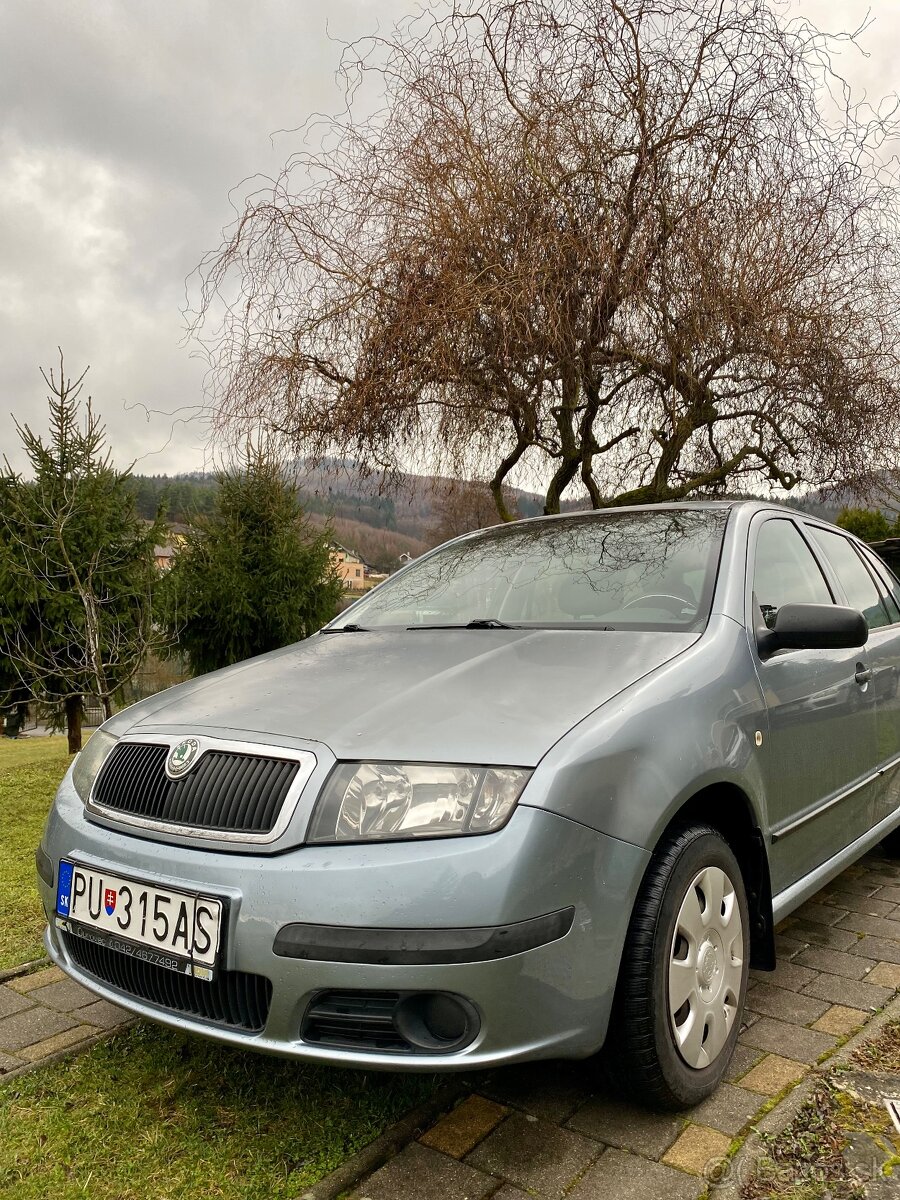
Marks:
<point>381,801</point>
<point>90,760</point>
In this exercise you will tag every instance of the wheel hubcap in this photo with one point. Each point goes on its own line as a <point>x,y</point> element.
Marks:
<point>706,968</point>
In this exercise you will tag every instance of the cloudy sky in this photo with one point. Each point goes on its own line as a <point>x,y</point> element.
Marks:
<point>127,130</point>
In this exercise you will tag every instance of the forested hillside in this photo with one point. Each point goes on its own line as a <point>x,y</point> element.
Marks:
<point>379,527</point>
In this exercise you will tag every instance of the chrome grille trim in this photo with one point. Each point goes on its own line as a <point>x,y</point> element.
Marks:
<point>304,759</point>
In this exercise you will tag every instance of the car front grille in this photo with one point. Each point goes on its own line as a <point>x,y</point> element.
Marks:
<point>225,791</point>
<point>236,999</point>
<point>355,1021</point>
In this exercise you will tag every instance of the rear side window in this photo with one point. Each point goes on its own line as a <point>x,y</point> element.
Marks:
<point>785,571</point>
<point>853,575</point>
<point>891,595</point>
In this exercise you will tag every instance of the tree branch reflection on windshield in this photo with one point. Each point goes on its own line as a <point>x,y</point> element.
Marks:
<point>622,570</point>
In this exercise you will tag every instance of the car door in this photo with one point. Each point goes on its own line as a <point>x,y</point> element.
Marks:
<point>818,752</point>
<point>868,586</point>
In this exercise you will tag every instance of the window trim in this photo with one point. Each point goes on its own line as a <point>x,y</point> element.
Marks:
<point>876,566</point>
<point>753,616</point>
<point>835,532</point>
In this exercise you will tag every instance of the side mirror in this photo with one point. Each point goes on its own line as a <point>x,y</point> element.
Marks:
<point>814,627</point>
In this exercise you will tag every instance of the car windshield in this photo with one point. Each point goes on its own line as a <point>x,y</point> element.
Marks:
<point>618,570</point>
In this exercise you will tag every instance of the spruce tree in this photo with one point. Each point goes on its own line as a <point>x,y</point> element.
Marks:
<point>253,575</point>
<point>76,564</point>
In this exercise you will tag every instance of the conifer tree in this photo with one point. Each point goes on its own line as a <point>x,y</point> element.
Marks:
<point>252,576</point>
<point>76,564</point>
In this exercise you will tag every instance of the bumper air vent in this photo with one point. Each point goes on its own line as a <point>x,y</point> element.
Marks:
<point>390,1022</point>
<point>235,999</point>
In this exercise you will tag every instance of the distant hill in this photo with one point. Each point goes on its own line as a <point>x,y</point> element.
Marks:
<point>380,525</point>
<point>879,493</point>
<point>376,525</point>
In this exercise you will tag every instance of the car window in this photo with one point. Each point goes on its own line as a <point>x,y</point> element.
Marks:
<point>785,571</point>
<point>891,585</point>
<point>644,569</point>
<point>854,577</point>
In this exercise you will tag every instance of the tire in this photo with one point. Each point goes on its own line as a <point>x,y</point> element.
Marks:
<point>891,844</point>
<point>675,1061</point>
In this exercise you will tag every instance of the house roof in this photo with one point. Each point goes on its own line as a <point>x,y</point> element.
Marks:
<point>351,554</point>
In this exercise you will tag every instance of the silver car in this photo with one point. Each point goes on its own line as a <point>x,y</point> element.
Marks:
<point>550,786</point>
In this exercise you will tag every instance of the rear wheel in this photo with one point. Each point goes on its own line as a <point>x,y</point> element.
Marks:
<point>891,844</point>
<point>683,978</point>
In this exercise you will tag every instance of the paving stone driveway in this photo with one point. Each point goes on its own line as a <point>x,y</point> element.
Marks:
<point>547,1130</point>
<point>45,1013</point>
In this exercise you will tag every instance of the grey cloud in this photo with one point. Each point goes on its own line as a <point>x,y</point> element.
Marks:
<point>123,128</point>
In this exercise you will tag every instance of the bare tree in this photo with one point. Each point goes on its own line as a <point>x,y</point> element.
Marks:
<point>620,245</point>
<point>76,565</point>
<point>462,506</point>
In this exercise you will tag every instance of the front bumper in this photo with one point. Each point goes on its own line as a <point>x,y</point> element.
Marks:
<point>552,1000</point>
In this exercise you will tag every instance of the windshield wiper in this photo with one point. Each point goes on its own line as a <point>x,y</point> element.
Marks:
<point>351,628</point>
<point>477,623</point>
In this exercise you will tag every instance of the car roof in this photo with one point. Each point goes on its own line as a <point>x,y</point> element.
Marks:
<point>669,505</point>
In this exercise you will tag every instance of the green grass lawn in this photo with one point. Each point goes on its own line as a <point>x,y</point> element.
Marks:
<point>152,1113</point>
<point>30,771</point>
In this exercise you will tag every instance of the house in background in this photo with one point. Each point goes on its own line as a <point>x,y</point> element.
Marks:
<point>164,555</point>
<point>350,567</point>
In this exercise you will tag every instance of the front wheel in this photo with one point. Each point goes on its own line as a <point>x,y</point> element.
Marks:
<point>683,978</point>
<point>891,844</point>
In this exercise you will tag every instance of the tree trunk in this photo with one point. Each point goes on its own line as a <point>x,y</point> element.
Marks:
<point>74,709</point>
<point>107,708</point>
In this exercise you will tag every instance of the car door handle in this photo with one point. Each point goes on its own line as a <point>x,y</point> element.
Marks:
<point>863,674</point>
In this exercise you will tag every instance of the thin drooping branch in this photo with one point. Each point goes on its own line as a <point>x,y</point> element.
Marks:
<point>621,247</point>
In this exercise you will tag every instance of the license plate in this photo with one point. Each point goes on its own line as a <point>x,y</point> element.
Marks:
<point>180,931</point>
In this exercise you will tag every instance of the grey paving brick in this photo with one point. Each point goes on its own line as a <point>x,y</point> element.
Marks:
<point>818,913</point>
<point>104,1014</point>
<point>881,868</point>
<point>879,949</point>
<point>508,1192</point>
<point>748,1017</point>
<point>36,979</point>
<point>877,926</point>
<point>889,892</point>
<point>535,1155</point>
<point>790,1041</point>
<point>771,1001</point>
<point>861,904</point>
<point>742,1061</point>
<point>11,1002</point>
<point>620,1176</point>
<point>857,869</point>
<point>856,887</point>
<point>850,992</point>
<point>627,1126</point>
<point>64,996</point>
<point>418,1172</point>
<point>32,1025</point>
<point>787,974</point>
<point>824,935</point>
<point>8,1063</point>
<point>835,962</point>
<point>79,1035</point>
<point>787,947</point>
<point>728,1109</point>
<point>549,1090</point>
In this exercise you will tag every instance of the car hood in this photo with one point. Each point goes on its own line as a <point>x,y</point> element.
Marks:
<point>492,696</point>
